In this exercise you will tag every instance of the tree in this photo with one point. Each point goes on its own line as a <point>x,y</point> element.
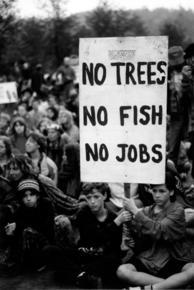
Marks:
<point>174,32</point>
<point>7,27</point>
<point>78,31</point>
<point>58,30</point>
<point>105,22</point>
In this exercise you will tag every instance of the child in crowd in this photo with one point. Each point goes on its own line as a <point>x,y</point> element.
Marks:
<point>68,126</point>
<point>96,255</point>
<point>19,133</point>
<point>33,228</point>
<point>20,168</point>
<point>42,164</point>
<point>164,261</point>
<point>52,114</point>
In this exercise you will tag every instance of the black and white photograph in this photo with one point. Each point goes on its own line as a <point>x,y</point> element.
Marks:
<point>96,144</point>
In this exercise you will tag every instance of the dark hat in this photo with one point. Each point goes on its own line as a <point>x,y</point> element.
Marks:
<point>189,51</point>
<point>28,184</point>
<point>175,55</point>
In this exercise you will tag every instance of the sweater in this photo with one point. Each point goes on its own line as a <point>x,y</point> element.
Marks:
<point>165,234</point>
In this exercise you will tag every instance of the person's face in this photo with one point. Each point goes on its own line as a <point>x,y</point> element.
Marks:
<point>30,198</point>
<point>62,117</point>
<point>3,122</point>
<point>95,201</point>
<point>64,120</point>
<point>50,114</point>
<point>52,101</point>
<point>52,134</point>
<point>15,173</point>
<point>2,148</point>
<point>161,194</point>
<point>19,128</point>
<point>35,105</point>
<point>43,126</point>
<point>22,111</point>
<point>31,145</point>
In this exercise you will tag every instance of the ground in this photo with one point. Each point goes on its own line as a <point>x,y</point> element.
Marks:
<point>33,281</point>
<point>36,281</point>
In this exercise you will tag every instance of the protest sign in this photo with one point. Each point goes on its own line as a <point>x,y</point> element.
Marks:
<point>8,93</point>
<point>123,88</point>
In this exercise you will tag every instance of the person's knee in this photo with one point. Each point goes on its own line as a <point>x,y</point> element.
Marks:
<point>124,271</point>
<point>188,270</point>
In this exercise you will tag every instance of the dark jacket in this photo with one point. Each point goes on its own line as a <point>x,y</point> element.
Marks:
<point>105,236</point>
<point>40,219</point>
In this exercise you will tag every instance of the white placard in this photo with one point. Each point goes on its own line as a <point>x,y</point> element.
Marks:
<point>8,93</point>
<point>123,92</point>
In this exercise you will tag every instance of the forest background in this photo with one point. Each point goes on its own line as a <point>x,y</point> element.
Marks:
<point>47,40</point>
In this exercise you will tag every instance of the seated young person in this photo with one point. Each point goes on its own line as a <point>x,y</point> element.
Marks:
<point>165,262</point>
<point>97,252</point>
<point>33,228</point>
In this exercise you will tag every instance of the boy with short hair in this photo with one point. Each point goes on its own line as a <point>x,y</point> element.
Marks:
<point>97,253</point>
<point>165,262</point>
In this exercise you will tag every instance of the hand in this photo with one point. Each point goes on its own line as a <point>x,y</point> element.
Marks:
<point>124,216</point>
<point>30,231</point>
<point>62,221</point>
<point>10,228</point>
<point>129,205</point>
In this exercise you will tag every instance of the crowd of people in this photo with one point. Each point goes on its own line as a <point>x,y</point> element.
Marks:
<point>91,234</point>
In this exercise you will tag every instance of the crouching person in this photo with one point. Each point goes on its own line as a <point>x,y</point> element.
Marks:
<point>33,228</point>
<point>165,262</point>
<point>94,259</point>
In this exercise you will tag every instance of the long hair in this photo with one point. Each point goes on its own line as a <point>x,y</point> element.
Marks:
<point>22,122</point>
<point>22,162</point>
<point>7,144</point>
<point>40,139</point>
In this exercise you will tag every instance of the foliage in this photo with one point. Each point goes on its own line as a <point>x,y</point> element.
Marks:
<point>181,19</point>
<point>48,40</point>
<point>105,22</point>
<point>175,33</point>
<point>6,8</point>
<point>7,25</point>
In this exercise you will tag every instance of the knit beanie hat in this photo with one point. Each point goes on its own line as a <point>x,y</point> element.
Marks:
<point>28,184</point>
